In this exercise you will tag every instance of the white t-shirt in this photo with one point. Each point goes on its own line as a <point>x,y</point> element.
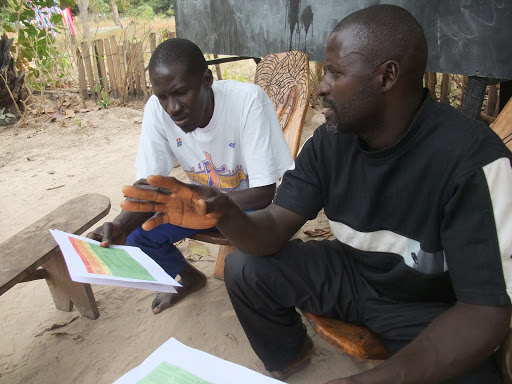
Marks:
<point>242,146</point>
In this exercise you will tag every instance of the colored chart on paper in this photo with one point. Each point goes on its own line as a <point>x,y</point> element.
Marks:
<point>166,373</point>
<point>109,261</point>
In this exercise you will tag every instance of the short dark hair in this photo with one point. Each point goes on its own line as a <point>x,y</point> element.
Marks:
<point>178,51</point>
<point>390,32</point>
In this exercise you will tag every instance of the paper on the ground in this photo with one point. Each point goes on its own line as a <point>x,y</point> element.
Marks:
<point>124,266</point>
<point>175,363</point>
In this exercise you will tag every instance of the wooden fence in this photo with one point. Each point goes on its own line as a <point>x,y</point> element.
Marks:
<point>108,68</point>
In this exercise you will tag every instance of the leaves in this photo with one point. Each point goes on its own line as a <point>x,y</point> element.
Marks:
<point>198,248</point>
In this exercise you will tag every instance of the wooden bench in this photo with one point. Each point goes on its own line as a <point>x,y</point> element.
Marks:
<point>360,342</point>
<point>285,78</point>
<point>22,255</point>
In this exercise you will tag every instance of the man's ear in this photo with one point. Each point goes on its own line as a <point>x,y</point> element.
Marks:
<point>388,73</point>
<point>208,78</point>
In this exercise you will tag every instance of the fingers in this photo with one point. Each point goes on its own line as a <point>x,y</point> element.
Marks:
<point>144,194</point>
<point>164,182</point>
<point>107,234</point>
<point>138,206</point>
<point>95,235</point>
<point>155,221</point>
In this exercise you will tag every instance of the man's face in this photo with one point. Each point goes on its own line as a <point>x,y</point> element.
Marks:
<point>184,96</point>
<point>348,87</point>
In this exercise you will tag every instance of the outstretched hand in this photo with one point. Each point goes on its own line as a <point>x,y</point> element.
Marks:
<point>185,205</point>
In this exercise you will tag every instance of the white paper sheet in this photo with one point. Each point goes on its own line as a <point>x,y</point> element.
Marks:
<point>168,363</point>
<point>117,265</point>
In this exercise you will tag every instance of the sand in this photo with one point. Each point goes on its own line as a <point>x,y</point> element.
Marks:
<point>93,152</point>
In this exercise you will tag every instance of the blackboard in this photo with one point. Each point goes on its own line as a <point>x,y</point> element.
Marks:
<point>470,37</point>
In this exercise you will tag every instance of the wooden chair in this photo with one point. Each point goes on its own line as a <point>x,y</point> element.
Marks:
<point>285,78</point>
<point>34,247</point>
<point>360,342</point>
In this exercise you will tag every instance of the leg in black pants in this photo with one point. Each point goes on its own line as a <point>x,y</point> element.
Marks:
<point>265,291</point>
<point>319,277</point>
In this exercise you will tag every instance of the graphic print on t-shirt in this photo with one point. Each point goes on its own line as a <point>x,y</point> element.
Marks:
<point>220,178</point>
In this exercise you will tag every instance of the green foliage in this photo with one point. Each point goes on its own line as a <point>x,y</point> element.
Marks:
<point>5,117</point>
<point>100,6</point>
<point>164,6</point>
<point>105,100</point>
<point>143,11</point>
<point>37,47</point>
<point>5,10</point>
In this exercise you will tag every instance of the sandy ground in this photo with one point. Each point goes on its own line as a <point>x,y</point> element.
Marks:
<point>40,168</point>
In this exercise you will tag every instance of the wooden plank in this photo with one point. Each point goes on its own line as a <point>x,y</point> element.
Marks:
<point>97,82</point>
<point>152,42</point>
<point>431,84</point>
<point>503,125</point>
<point>134,49</point>
<point>66,292</point>
<point>30,248</point>
<point>217,67</point>
<point>111,68</point>
<point>492,99</point>
<point>142,71</point>
<point>446,84</point>
<point>353,339</point>
<point>38,274</point>
<point>117,64</point>
<point>212,237</point>
<point>88,67</point>
<point>100,59</point>
<point>130,90</point>
<point>82,82</point>
<point>224,250</point>
<point>124,74</point>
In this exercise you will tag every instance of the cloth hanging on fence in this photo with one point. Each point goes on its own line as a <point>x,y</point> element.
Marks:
<point>43,17</point>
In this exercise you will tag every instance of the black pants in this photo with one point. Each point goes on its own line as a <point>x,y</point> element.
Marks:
<point>316,276</point>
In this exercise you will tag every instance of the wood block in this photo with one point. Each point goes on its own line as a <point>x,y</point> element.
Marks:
<point>23,253</point>
<point>212,237</point>
<point>503,125</point>
<point>66,292</point>
<point>355,340</point>
<point>224,250</point>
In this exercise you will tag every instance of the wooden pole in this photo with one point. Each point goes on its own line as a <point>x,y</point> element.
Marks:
<point>463,90</point>
<point>100,59</point>
<point>97,82</point>
<point>432,81</point>
<point>124,73</point>
<point>82,82</point>
<point>136,69</point>
<point>492,99</point>
<point>152,42</point>
<point>117,64</point>
<point>217,68</point>
<point>445,89</point>
<point>129,69</point>
<point>142,71</point>
<point>88,68</point>
<point>111,68</point>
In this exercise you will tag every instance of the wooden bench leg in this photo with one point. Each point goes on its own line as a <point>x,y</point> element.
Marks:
<point>224,250</point>
<point>66,292</point>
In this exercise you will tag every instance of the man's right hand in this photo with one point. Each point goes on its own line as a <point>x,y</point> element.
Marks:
<point>108,233</point>
<point>186,205</point>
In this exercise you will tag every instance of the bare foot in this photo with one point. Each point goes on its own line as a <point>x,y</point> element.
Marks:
<point>191,279</point>
<point>302,359</point>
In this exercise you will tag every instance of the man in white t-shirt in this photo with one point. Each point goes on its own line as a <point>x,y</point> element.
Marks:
<point>224,134</point>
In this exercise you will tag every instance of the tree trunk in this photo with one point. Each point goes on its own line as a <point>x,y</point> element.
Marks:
<point>115,13</point>
<point>12,83</point>
<point>83,9</point>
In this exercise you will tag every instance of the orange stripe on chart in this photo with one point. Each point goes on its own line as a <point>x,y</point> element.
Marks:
<point>93,264</point>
